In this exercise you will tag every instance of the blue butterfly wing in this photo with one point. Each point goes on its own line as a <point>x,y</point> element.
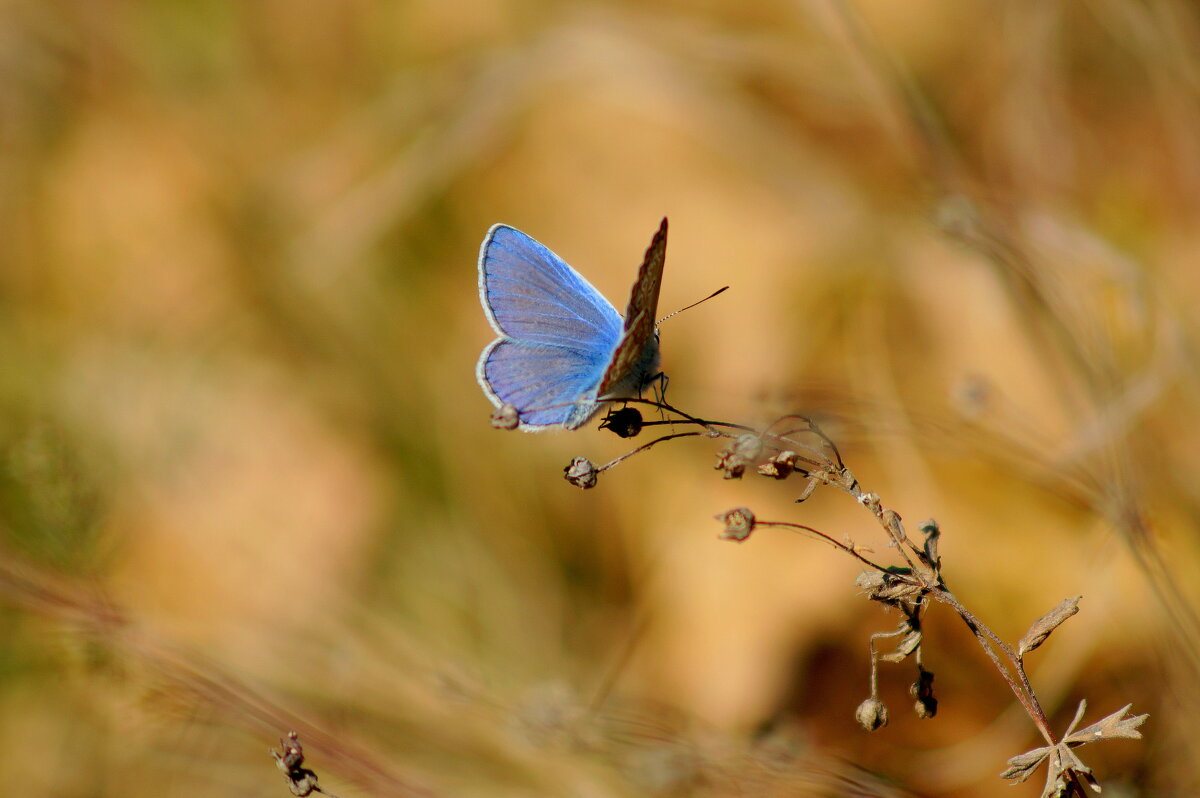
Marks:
<point>531,295</point>
<point>557,332</point>
<point>550,386</point>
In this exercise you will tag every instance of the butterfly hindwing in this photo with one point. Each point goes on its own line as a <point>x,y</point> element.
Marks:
<point>551,385</point>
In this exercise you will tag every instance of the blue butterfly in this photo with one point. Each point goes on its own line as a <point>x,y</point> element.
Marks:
<point>562,348</point>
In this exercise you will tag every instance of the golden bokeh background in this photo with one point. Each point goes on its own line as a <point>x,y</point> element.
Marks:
<point>247,480</point>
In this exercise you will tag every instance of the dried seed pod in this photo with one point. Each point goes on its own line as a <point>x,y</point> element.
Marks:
<point>739,523</point>
<point>506,417</point>
<point>581,473</point>
<point>922,690</point>
<point>871,714</point>
<point>625,423</point>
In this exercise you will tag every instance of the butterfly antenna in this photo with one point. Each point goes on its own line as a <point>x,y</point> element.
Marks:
<point>694,304</point>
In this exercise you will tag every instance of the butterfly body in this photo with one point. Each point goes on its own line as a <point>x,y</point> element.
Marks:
<point>562,349</point>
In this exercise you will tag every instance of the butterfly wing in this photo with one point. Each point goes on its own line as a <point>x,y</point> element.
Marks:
<point>636,355</point>
<point>550,386</point>
<point>556,332</point>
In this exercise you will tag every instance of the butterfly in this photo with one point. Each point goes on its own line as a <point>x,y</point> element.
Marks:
<point>562,349</point>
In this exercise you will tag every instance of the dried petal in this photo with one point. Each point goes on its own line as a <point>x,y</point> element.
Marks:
<point>1042,627</point>
<point>732,464</point>
<point>779,466</point>
<point>748,446</point>
<point>739,454</point>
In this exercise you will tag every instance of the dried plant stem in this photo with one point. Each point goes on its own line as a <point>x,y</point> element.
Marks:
<point>907,588</point>
<point>846,547</point>
<point>645,446</point>
<point>684,417</point>
<point>930,584</point>
<point>989,641</point>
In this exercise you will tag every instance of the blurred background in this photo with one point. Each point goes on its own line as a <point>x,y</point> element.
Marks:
<point>247,480</point>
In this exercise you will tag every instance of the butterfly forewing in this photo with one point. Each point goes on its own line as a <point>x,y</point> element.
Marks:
<point>531,295</point>
<point>632,351</point>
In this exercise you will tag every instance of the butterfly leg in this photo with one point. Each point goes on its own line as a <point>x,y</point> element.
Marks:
<point>659,381</point>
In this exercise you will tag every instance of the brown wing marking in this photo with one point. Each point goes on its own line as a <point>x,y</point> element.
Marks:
<point>639,316</point>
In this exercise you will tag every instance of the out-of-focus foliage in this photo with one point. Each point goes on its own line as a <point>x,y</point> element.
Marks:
<point>247,481</point>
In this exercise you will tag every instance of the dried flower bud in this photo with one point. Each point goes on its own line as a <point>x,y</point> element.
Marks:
<point>290,761</point>
<point>779,466</point>
<point>290,754</point>
<point>581,473</point>
<point>729,462</point>
<point>871,714</point>
<point>506,417</point>
<point>922,690</point>
<point>626,422</point>
<point>925,708</point>
<point>739,523</point>
<point>739,454</point>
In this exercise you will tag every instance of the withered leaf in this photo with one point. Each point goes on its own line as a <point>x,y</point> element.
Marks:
<point>1022,766</point>
<point>905,647</point>
<point>1064,767</point>
<point>932,534</point>
<point>1112,727</point>
<point>1042,627</point>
